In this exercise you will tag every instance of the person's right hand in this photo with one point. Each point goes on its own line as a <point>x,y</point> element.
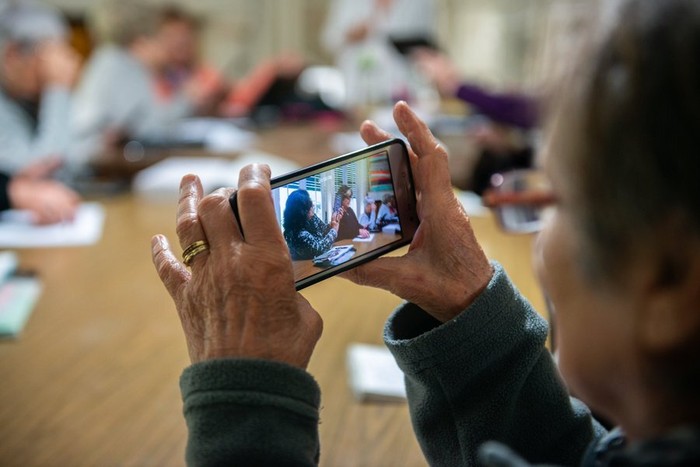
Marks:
<point>445,268</point>
<point>48,201</point>
<point>59,64</point>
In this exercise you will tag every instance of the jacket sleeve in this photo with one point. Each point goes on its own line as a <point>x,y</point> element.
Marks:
<point>4,194</point>
<point>512,109</point>
<point>20,144</point>
<point>486,375</point>
<point>250,412</point>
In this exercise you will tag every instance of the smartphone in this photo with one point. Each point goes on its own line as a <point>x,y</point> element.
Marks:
<point>321,210</point>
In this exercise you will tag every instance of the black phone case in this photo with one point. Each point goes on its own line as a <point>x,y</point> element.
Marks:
<point>281,180</point>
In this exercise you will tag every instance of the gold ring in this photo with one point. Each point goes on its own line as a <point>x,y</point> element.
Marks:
<point>193,250</point>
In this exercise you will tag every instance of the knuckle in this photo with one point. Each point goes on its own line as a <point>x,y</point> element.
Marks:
<point>211,202</point>
<point>185,223</point>
<point>254,192</point>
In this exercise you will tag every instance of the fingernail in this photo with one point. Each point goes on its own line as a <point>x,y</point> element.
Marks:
<point>187,182</point>
<point>160,241</point>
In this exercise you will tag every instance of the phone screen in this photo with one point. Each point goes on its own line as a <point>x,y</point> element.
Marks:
<point>346,211</point>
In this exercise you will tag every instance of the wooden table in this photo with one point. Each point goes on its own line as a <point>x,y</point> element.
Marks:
<point>93,380</point>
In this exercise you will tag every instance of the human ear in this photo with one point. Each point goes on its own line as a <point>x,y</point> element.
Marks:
<point>670,308</point>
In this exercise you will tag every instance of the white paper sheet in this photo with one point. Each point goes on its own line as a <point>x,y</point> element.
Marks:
<point>360,239</point>
<point>17,231</point>
<point>374,374</point>
<point>162,180</point>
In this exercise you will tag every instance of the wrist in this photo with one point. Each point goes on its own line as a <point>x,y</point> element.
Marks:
<point>465,290</point>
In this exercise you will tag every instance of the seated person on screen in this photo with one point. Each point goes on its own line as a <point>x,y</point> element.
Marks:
<point>349,226</point>
<point>37,71</point>
<point>368,219</point>
<point>306,235</point>
<point>387,212</point>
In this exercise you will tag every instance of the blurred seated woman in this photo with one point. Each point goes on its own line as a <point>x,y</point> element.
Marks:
<point>306,235</point>
<point>349,227</point>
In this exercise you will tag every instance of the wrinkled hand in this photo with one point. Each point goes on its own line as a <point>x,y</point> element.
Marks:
<point>238,299</point>
<point>445,268</point>
<point>48,201</point>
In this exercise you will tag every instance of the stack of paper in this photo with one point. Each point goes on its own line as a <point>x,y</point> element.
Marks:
<point>18,294</point>
<point>373,374</point>
<point>18,231</point>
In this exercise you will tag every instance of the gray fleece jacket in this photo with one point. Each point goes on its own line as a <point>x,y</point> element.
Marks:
<point>481,378</point>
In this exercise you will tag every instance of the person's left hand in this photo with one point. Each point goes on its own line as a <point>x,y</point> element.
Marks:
<point>364,233</point>
<point>238,300</point>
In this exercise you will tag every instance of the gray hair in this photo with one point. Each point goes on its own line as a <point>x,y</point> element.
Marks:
<point>28,23</point>
<point>629,134</point>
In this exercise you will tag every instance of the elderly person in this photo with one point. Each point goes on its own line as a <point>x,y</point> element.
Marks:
<point>619,257</point>
<point>116,97</point>
<point>37,70</point>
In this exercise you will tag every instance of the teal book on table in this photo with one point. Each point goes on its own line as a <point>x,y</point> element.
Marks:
<point>18,295</point>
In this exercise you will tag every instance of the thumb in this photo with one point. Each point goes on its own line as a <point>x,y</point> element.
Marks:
<point>380,273</point>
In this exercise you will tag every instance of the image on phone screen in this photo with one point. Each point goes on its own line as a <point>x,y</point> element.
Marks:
<point>330,217</point>
<point>345,211</point>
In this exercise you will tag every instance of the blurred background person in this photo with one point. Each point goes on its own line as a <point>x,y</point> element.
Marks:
<point>359,34</point>
<point>505,141</point>
<point>267,93</point>
<point>116,97</point>
<point>37,71</point>
<point>179,33</point>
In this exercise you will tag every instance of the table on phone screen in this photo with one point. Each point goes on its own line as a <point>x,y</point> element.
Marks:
<point>306,268</point>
